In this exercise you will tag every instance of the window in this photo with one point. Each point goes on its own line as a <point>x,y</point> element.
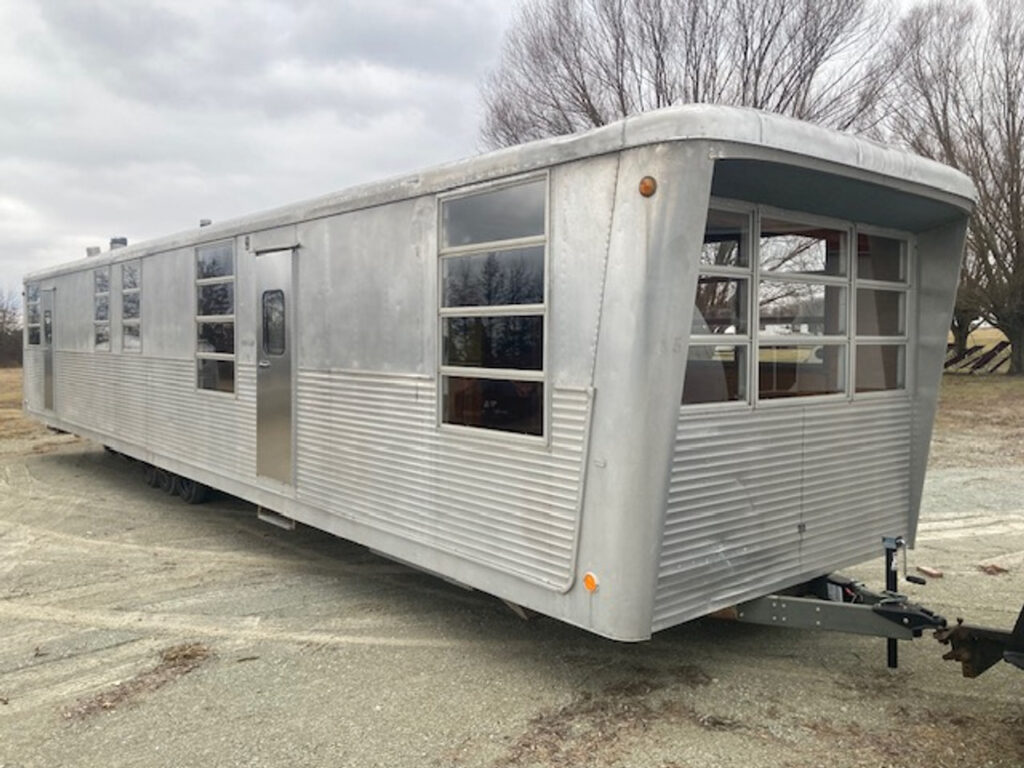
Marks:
<point>131,306</point>
<point>32,316</point>
<point>215,317</point>
<point>273,323</point>
<point>492,289</point>
<point>101,309</point>
<point>784,309</point>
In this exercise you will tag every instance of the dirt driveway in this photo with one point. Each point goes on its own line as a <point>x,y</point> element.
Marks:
<point>138,631</point>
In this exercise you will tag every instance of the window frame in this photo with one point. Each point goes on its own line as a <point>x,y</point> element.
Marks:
<point>755,339</point>
<point>541,310</point>
<point>96,323</point>
<point>38,304</point>
<point>198,319</point>
<point>135,322</point>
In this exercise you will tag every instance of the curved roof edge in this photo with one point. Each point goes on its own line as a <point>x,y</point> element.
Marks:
<point>731,125</point>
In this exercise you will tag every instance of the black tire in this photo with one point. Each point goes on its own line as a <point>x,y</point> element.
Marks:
<point>190,491</point>
<point>165,481</point>
<point>151,475</point>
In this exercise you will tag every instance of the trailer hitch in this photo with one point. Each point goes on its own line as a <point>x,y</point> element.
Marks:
<point>978,648</point>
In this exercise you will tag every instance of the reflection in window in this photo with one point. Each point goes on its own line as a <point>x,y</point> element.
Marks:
<point>725,238</point>
<point>801,370</point>
<point>215,317</point>
<point>101,309</point>
<point>495,278</point>
<point>791,247</point>
<point>721,306</point>
<point>501,214</point>
<point>805,308</point>
<point>494,342</point>
<point>131,306</point>
<point>880,367</point>
<point>273,322</point>
<point>715,374</point>
<point>511,406</point>
<point>32,314</point>
<point>492,309</point>
<point>131,338</point>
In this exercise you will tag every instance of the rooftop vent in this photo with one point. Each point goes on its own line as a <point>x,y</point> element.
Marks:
<point>205,222</point>
<point>118,242</point>
<point>92,250</point>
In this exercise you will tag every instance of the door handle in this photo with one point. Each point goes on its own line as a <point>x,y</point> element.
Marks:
<point>264,363</point>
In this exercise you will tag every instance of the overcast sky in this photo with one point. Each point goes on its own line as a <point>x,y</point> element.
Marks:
<point>139,117</point>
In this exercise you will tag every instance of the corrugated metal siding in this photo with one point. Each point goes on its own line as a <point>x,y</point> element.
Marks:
<point>154,404</point>
<point>742,483</point>
<point>32,373</point>
<point>369,450</point>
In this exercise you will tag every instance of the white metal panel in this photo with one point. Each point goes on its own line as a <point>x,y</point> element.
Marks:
<point>369,450</point>
<point>154,404</point>
<point>762,499</point>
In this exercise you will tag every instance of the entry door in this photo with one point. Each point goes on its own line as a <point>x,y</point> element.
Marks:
<point>46,307</point>
<point>275,356</point>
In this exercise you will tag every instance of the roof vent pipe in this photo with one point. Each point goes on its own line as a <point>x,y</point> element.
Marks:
<point>205,222</point>
<point>118,242</point>
<point>92,250</point>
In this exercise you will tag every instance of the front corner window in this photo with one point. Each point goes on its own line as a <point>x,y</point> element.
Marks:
<point>33,315</point>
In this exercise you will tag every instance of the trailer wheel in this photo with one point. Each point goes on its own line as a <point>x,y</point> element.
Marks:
<point>165,481</point>
<point>191,492</point>
<point>151,476</point>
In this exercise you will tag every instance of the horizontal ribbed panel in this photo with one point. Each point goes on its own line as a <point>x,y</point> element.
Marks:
<point>154,403</point>
<point>369,450</point>
<point>742,485</point>
<point>32,375</point>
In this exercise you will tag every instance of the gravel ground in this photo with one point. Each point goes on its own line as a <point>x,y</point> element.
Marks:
<point>138,631</point>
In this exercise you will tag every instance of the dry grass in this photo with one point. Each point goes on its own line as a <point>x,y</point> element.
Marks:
<point>980,421</point>
<point>12,423</point>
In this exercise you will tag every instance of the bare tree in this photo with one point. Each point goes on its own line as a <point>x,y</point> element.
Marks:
<point>960,87</point>
<point>10,328</point>
<point>568,65</point>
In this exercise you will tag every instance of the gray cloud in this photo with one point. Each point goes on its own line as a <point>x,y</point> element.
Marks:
<point>138,118</point>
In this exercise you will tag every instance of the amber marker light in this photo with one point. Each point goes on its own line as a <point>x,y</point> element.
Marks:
<point>648,186</point>
<point>590,582</point>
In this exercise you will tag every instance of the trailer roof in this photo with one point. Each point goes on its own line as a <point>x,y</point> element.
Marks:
<point>739,129</point>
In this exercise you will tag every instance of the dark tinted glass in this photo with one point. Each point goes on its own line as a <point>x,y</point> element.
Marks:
<point>715,374</point>
<point>495,278</point>
<point>721,306</point>
<point>130,305</point>
<point>881,258</point>
<point>880,313</point>
<point>880,367</point>
<point>101,280</point>
<point>214,261</point>
<point>273,322</point>
<point>130,276</point>
<point>795,371</point>
<point>790,247</point>
<point>724,239</point>
<point>102,308</point>
<point>131,338</point>
<point>48,327</point>
<point>216,299</point>
<point>494,342</point>
<point>216,374</point>
<point>512,406</point>
<point>217,337</point>
<point>33,335</point>
<point>500,214</point>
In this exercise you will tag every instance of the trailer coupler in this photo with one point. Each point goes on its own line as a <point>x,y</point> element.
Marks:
<point>978,648</point>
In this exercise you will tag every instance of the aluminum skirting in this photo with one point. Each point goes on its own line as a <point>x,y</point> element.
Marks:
<point>759,500</point>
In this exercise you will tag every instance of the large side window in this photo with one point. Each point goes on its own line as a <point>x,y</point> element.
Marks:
<point>215,317</point>
<point>101,308</point>
<point>492,297</point>
<point>131,306</point>
<point>32,315</point>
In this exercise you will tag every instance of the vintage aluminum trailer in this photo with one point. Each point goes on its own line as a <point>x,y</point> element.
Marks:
<point>625,378</point>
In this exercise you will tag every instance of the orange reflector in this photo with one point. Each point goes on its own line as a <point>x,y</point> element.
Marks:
<point>590,582</point>
<point>648,186</point>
